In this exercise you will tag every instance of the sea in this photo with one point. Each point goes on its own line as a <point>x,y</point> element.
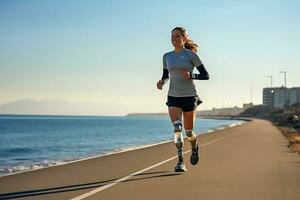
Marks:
<point>31,141</point>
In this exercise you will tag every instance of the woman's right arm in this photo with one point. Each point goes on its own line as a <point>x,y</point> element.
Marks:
<point>163,79</point>
<point>165,75</point>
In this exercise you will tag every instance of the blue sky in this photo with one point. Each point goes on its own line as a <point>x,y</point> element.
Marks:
<point>110,52</point>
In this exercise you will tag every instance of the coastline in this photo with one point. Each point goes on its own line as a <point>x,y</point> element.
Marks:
<point>39,166</point>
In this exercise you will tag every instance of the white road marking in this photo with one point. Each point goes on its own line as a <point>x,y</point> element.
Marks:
<point>101,188</point>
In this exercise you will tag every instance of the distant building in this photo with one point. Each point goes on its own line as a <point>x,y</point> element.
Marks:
<point>294,95</point>
<point>233,111</point>
<point>278,97</point>
<point>247,105</point>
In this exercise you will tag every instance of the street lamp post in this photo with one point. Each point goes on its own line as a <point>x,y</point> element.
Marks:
<point>271,78</point>
<point>285,89</point>
<point>271,95</point>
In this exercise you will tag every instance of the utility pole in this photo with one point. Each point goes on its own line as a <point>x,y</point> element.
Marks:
<point>285,89</point>
<point>251,94</point>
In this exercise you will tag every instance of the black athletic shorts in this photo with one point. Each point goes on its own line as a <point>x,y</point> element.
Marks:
<point>187,104</point>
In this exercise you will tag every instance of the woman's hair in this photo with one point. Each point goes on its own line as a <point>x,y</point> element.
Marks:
<point>189,44</point>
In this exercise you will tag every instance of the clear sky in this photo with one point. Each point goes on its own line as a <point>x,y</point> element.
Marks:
<point>109,52</point>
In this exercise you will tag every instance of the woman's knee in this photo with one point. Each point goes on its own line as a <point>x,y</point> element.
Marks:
<point>175,114</point>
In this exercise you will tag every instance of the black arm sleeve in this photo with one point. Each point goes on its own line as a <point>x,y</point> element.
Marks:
<point>165,75</point>
<point>203,73</point>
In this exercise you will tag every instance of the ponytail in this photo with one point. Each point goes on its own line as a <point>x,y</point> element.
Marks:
<point>191,45</point>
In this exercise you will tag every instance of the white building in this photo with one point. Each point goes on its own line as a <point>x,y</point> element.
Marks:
<point>294,95</point>
<point>279,96</point>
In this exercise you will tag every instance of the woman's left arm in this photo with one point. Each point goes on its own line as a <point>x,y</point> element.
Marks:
<point>203,73</point>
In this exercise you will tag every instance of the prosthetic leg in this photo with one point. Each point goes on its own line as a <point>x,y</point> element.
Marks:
<point>178,140</point>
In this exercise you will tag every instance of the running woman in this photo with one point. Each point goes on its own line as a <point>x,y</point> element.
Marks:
<point>178,66</point>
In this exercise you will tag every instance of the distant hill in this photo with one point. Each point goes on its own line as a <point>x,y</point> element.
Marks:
<point>288,116</point>
<point>30,106</point>
<point>53,107</point>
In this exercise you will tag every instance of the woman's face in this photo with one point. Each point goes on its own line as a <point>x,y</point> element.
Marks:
<point>177,39</point>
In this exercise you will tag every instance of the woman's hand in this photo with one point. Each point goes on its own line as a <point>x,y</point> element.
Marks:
<point>186,74</point>
<point>160,84</point>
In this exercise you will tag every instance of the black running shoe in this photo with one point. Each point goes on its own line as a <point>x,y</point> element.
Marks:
<point>180,167</point>
<point>194,156</point>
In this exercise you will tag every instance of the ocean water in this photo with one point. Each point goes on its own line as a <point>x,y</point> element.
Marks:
<point>29,142</point>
